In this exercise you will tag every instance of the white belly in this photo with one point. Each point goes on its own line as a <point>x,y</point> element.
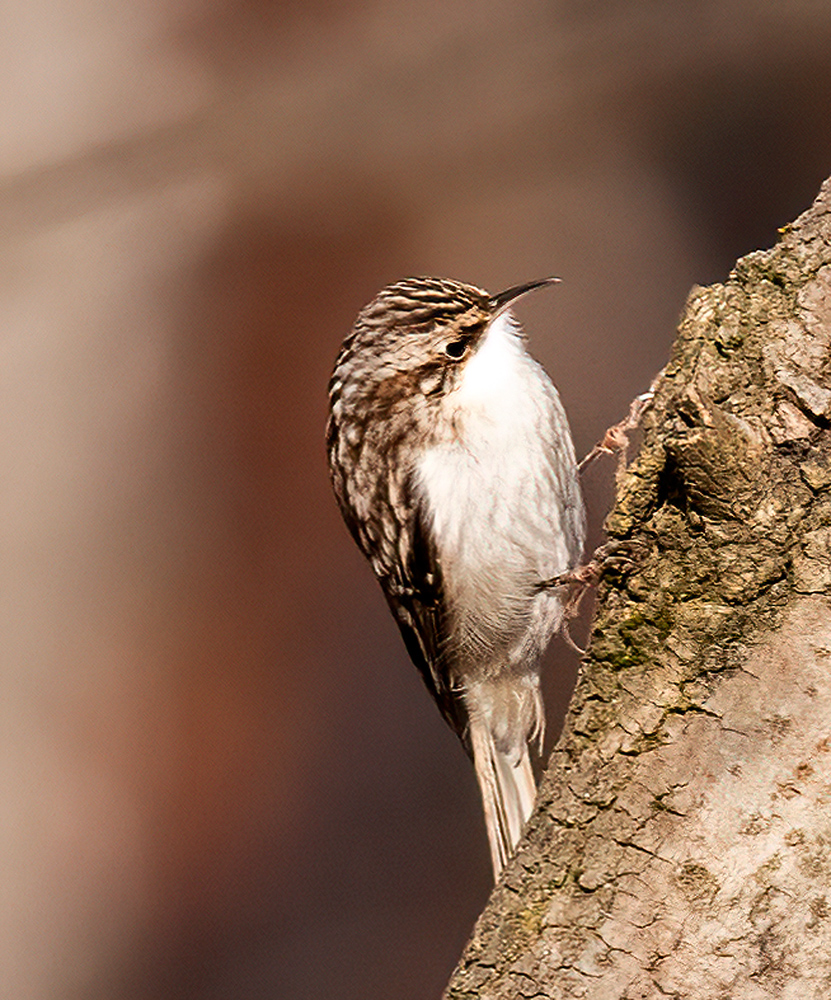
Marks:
<point>501,491</point>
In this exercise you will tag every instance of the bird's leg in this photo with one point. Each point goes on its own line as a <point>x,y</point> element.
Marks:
<point>581,578</point>
<point>615,555</point>
<point>576,582</point>
<point>616,439</point>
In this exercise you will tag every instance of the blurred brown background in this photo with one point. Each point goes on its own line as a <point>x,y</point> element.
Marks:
<point>220,776</point>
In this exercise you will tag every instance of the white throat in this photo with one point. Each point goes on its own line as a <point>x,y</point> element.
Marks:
<point>487,477</point>
<point>493,374</point>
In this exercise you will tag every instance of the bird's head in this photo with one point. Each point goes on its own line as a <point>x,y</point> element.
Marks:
<point>417,335</point>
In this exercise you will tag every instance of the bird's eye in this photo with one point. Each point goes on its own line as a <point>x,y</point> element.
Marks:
<point>456,349</point>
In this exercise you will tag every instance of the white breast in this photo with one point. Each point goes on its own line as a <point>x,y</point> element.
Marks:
<point>498,487</point>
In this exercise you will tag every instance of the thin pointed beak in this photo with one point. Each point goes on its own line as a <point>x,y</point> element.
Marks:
<point>502,300</point>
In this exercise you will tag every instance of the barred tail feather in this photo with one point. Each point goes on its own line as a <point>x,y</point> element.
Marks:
<point>508,789</point>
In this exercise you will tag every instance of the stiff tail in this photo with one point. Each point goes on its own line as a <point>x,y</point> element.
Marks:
<point>506,781</point>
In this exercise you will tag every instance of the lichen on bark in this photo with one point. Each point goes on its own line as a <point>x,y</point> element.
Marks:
<point>682,842</point>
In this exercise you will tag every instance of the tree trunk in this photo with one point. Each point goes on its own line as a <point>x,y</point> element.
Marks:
<point>682,842</point>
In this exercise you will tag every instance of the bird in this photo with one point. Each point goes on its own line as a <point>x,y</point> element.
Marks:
<point>453,465</point>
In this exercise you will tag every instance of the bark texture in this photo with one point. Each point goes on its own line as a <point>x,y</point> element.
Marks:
<point>682,842</point>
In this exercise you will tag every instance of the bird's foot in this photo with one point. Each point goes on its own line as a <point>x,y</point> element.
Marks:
<point>616,439</point>
<point>616,556</point>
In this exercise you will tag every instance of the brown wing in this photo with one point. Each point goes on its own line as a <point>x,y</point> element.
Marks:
<point>414,595</point>
<point>374,485</point>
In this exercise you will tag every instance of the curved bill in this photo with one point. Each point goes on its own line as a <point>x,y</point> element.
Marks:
<point>502,300</point>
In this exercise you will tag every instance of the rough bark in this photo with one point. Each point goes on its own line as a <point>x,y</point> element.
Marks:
<point>682,843</point>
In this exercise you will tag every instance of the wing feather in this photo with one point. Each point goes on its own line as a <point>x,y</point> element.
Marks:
<point>415,596</point>
<point>385,515</point>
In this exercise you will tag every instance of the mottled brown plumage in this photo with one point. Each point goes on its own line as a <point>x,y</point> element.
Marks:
<point>453,466</point>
